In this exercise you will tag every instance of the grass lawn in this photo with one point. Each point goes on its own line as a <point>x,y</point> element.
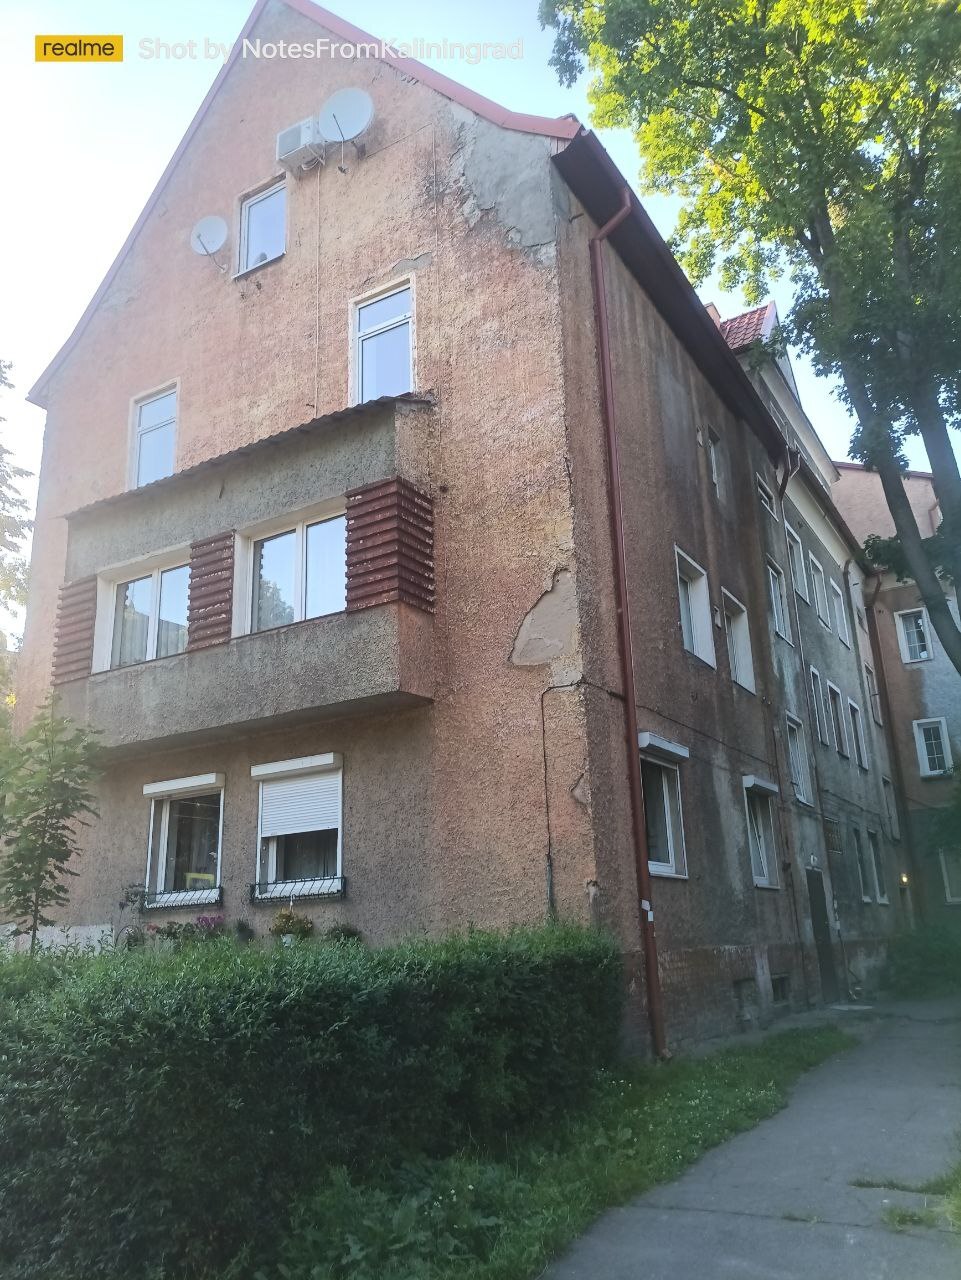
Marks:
<point>483,1216</point>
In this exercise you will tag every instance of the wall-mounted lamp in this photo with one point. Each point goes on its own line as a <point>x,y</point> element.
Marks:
<point>905,879</point>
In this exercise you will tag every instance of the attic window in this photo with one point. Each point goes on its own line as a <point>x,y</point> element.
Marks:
<point>263,227</point>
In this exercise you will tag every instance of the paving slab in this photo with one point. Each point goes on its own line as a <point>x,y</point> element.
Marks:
<point>779,1203</point>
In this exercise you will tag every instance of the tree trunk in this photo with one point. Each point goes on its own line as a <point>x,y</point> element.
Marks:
<point>881,456</point>
<point>945,476</point>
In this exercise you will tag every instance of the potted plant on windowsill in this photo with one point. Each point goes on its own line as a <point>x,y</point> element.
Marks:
<point>289,926</point>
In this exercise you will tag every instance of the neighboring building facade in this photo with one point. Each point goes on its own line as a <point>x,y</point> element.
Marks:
<point>333,523</point>
<point>923,687</point>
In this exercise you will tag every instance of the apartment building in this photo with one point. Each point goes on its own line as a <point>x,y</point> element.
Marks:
<point>425,556</point>
<point>923,689</point>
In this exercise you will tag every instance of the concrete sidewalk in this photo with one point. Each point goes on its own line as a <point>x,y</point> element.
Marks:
<point>777,1203</point>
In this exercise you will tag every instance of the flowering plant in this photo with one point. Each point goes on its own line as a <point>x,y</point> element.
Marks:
<point>288,922</point>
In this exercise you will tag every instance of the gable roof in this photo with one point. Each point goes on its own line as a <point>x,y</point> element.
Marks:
<point>740,332</point>
<point>562,127</point>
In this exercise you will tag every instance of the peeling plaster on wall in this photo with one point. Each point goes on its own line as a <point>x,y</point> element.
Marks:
<point>549,632</point>
<point>505,174</point>
<point>581,791</point>
<point>412,264</point>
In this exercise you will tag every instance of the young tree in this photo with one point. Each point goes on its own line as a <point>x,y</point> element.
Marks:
<point>45,779</point>
<point>14,525</point>
<point>821,138</point>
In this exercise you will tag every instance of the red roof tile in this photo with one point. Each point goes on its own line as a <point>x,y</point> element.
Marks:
<point>740,331</point>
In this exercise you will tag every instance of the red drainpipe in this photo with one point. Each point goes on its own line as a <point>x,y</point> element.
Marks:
<point>655,999</point>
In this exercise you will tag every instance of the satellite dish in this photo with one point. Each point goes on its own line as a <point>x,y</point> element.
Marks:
<point>346,115</point>
<point>209,235</point>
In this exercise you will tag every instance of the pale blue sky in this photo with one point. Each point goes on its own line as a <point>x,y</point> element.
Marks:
<point>87,144</point>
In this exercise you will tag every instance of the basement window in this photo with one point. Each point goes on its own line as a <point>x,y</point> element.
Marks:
<point>183,854</point>
<point>383,350</point>
<point>263,227</point>
<point>300,827</point>
<point>780,988</point>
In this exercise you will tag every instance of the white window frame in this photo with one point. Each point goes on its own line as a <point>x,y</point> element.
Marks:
<point>856,719</point>
<point>798,761</point>
<point>845,749</point>
<point>701,616</point>
<point>899,617</point>
<point>766,495</point>
<point>246,203</point>
<point>861,865</point>
<point>108,580</point>
<point>765,790</point>
<point>294,522</point>
<point>162,793</point>
<point>918,727</point>
<point>820,602</point>
<point>676,868</point>
<point>891,806</point>
<point>321,887</point>
<point>820,708</point>
<point>738,639</point>
<point>777,585</point>
<point>874,693</point>
<point>136,432</point>
<point>840,614</point>
<point>951,901</point>
<point>798,572</point>
<point>355,362</point>
<point>713,464</point>
<point>877,860</point>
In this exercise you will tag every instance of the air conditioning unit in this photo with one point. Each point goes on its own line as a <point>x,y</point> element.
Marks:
<point>299,145</point>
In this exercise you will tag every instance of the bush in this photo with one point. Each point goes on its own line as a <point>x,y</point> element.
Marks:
<point>159,1111</point>
<point>925,962</point>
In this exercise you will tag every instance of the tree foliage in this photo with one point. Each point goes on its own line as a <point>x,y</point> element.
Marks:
<point>819,139</point>
<point>45,779</point>
<point>14,524</point>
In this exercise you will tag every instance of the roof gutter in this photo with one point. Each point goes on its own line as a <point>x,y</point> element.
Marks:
<point>655,1001</point>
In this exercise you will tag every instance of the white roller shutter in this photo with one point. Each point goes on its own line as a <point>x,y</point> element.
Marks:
<point>307,803</point>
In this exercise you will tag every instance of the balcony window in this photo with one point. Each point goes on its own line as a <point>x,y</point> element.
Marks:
<point>299,852</point>
<point>183,855</point>
<point>299,573</point>
<point>384,351</point>
<point>150,616</point>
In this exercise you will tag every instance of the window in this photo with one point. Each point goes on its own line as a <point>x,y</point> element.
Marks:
<point>862,622</point>
<point>766,494</point>
<point>934,749</point>
<point>662,816</point>
<point>819,706</point>
<point>877,862</point>
<point>150,616</point>
<point>778,595</point>
<point>713,460</point>
<point>891,808</point>
<point>820,591</point>
<point>913,635</point>
<point>857,734</point>
<point>760,831</point>
<point>837,719</point>
<point>183,854</point>
<point>155,432</point>
<point>738,631</point>
<point>840,617</point>
<point>695,604</point>
<point>951,874</point>
<point>384,353</point>
<point>832,837</point>
<point>798,760</point>
<point>299,853</point>
<point>263,227</point>
<point>863,879</point>
<point>796,557</point>
<point>874,694</point>
<point>299,573</point>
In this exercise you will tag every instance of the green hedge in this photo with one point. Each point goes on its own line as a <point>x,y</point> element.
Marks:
<point>161,1112</point>
<point>926,961</point>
